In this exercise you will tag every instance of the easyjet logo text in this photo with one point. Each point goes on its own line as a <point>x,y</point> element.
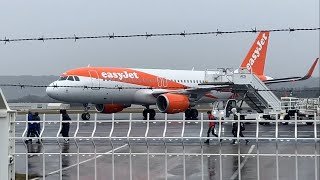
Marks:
<point>256,52</point>
<point>119,75</point>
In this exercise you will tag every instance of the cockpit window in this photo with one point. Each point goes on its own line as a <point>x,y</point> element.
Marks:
<point>62,78</point>
<point>70,78</point>
<point>76,78</point>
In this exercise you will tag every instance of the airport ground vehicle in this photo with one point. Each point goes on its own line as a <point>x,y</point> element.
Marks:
<point>290,105</point>
<point>222,110</point>
<point>300,107</point>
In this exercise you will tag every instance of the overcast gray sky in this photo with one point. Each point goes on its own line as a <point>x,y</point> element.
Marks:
<point>289,54</point>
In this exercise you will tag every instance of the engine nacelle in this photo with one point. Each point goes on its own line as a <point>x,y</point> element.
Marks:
<point>172,103</point>
<point>109,108</point>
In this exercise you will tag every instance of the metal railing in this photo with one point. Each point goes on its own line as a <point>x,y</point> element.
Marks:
<point>126,138</point>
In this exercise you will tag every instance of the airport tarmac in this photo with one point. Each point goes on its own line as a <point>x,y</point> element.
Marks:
<point>256,157</point>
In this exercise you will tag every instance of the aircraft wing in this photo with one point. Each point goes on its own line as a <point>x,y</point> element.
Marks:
<point>197,90</point>
<point>292,79</point>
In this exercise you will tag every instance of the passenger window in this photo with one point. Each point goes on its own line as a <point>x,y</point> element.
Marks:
<point>70,78</point>
<point>76,78</point>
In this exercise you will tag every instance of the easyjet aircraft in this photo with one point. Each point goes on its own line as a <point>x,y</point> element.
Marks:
<point>172,91</point>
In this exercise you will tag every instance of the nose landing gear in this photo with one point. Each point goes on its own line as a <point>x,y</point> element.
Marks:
<point>86,114</point>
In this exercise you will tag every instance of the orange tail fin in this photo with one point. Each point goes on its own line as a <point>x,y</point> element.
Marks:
<point>256,57</point>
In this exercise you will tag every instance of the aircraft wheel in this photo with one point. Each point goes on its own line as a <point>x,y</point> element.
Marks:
<point>85,116</point>
<point>188,114</point>
<point>152,114</point>
<point>144,113</point>
<point>194,113</point>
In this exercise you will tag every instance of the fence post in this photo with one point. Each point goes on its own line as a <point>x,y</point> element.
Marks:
<point>7,145</point>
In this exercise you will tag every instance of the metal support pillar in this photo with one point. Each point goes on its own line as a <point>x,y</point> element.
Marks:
<point>7,145</point>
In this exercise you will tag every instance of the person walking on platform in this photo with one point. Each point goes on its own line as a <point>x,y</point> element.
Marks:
<point>65,125</point>
<point>235,126</point>
<point>37,127</point>
<point>211,127</point>
<point>31,126</point>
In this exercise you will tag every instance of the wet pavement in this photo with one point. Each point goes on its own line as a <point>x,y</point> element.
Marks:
<point>172,157</point>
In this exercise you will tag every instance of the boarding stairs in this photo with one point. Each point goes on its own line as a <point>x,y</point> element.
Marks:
<point>246,84</point>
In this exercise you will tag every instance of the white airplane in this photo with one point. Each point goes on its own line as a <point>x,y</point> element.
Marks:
<point>172,91</point>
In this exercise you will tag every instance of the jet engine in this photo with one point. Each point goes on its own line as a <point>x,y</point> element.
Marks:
<point>172,103</point>
<point>109,108</point>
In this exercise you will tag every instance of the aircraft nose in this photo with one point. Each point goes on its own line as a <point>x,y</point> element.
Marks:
<point>50,90</point>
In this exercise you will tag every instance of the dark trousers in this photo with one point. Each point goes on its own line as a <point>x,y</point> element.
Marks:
<point>32,130</point>
<point>234,132</point>
<point>65,129</point>
<point>211,129</point>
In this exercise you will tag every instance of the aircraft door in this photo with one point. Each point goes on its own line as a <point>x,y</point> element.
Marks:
<point>95,80</point>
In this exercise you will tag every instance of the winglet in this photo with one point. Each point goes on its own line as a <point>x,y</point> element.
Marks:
<point>308,75</point>
<point>293,79</point>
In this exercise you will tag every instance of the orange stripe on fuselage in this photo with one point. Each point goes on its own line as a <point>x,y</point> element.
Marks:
<point>125,75</point>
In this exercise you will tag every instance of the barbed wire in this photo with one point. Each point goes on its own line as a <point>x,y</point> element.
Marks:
<point>148,35</point>
<point>22,86</point>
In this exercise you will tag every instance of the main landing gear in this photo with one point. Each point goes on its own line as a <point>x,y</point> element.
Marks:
<point>151,112</point>
<point>191,114</point>
<point>86,114</point>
